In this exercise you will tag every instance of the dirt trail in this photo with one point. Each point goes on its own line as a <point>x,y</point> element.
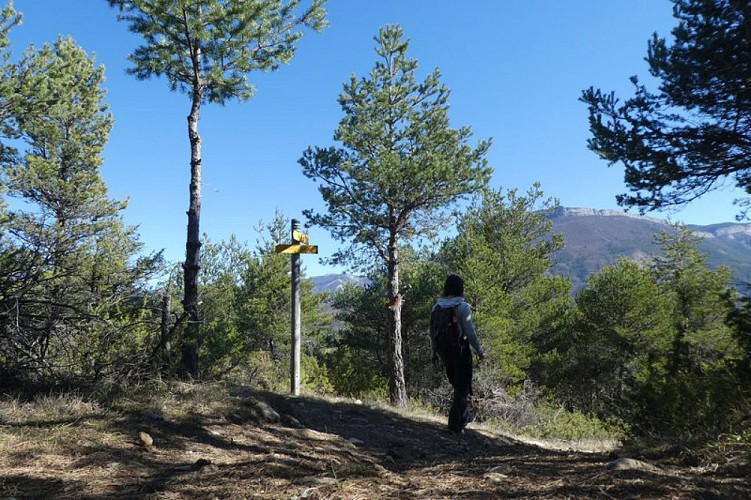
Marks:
<point>317,449</point>
<point>424,460</point>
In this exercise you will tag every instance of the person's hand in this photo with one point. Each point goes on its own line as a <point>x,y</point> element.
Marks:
<point>480,357</point>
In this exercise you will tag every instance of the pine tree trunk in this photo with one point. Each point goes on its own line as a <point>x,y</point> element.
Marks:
<point>164,351</point>
<point>397,386</point>
<point>193,246</point>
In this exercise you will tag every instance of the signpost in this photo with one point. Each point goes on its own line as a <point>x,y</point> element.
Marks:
<point>294,248</point>
<point>299,246</point>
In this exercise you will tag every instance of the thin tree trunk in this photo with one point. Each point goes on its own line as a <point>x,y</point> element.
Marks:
<point>164,352</point>
<point>397,386</point>
<point>193,245</point>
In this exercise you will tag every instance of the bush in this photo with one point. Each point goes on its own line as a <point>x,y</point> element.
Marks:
<point>498,402</point>
<point>352,376</point>
<point>267,373</point>
<point>525,410</point>
<point>314,376</point>
<point>559,423</point>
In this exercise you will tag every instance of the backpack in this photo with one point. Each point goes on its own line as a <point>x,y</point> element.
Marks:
<point>445,331</point>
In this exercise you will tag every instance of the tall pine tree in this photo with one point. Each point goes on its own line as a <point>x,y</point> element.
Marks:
<point>399,166</point>
<point>206,50</point>
<point>694,134</point>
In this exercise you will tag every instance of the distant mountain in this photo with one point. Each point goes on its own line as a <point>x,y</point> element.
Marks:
<point>334,282</point>
<point>596,238</point>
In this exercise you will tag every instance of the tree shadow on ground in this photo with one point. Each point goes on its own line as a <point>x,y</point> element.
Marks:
<point>414,446</point>
<point>400,441</point>
<point>317,448</point>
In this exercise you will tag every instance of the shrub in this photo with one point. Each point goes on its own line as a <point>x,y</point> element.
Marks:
<point>351,376</point>
<point>315,376</point>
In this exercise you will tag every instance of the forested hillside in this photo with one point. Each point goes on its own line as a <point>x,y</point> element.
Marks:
<point>596,238</point>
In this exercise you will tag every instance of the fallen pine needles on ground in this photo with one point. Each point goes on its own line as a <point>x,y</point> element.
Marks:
<point>219,440</point>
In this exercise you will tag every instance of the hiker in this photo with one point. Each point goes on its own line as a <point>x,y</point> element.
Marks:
<point>452,339</point>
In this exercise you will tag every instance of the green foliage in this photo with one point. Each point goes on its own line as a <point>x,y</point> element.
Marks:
<point>524,409</point>
<point>361,338</point>
<point>265,293</point>
<point>699,389</point>
<point>59,171</point>
<point>266,297</point>
<point>363,330</point>
<point>268,373</point>
<point>209,47</point>
<point>740,321</point>
<point>702,301</point>
<point>9,19</point>
<point>315,376</point>
<point>351,373</point>
<point>75,295</point>
<point>247,300</point>
<point>400,164</point>
<point>618,337</point>
<point>651,345</point>
<point>691,406</point>
<point>503,251</point>
<point>224,263</point>
<point>424,278</point>
<point>692,134</point>
<point>559,423</point>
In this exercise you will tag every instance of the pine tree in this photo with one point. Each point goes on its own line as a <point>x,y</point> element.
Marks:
<point>9,18</point>
<point>399,165</point>
<point>206,50</point>
<point>650,344</point>
<point>619,336</point>
<point>694,134</point>
<point>81,270</point>
<point>697,390</point>
<point>701,302</point>
<point>503,250</point>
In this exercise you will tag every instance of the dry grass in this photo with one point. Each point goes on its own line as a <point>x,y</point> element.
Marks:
<point>212,441</point>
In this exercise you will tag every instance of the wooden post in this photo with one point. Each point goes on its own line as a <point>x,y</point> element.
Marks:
<point>299,245</point>
<point>295,358</point>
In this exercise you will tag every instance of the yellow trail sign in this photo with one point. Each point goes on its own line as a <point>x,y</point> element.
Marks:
<point>301,237</point>
<point>296,248</point>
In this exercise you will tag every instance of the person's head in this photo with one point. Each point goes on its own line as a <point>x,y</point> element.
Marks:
<point>454,286</point>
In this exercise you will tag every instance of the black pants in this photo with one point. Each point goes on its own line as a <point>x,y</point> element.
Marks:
<point>459,373</point>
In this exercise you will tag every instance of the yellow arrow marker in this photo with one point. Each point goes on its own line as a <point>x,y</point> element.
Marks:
<point>296,248</point>
<point>298,236</point>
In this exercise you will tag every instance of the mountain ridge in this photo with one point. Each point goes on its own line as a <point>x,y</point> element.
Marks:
<point>334,282</point>
<point>595,238</point>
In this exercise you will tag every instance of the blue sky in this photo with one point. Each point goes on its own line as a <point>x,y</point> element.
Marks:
<point>515,69</point>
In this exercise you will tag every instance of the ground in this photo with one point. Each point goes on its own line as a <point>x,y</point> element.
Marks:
<point>217,441</point>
